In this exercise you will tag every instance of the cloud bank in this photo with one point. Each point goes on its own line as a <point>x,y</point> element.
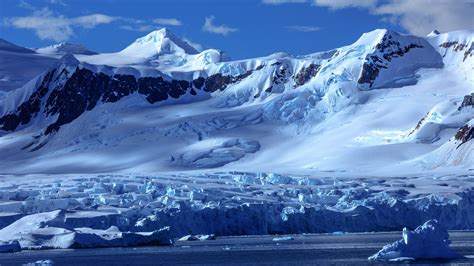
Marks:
<point>418,17</point>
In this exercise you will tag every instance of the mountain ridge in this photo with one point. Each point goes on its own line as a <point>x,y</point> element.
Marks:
<point>296,96</point>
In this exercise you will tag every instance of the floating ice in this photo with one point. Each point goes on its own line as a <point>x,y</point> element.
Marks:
<point>197,237</point>
<point>283,238</point>
<point>40,263</point>
<point>428,241</point>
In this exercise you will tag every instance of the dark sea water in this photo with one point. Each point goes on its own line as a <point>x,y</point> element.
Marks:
<point>323,249</point>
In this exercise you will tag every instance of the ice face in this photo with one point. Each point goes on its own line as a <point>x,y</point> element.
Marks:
<point>123,210</point>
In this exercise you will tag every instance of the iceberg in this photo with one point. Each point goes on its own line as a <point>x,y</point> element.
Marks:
<point>428,241</point>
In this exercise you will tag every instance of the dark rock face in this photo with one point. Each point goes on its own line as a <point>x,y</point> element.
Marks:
<point>385,51</point>
<point>464,134</point>
<point>418,126</point>
<point>28,109</point>
<point>280,77</point>
<point>457,47</point>
<point>84,89</point>
<point>305,74</point>
<point>219,82</point>
<point>468,101</point>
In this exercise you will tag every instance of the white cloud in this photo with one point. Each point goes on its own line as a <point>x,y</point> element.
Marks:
<point>147,26</point>
<point>57,27</point>
<point>57,2</point>
<point>142,28</point>
<point>91,21</point>
<point>338,4</point>
<point>26,5</point>
<point>209,26</point>
<point>196,46</point>
<point>421,17</point>
<point>280,2</point>
<point>418,17</point>
<point>303,28</point>
<point>168,21</point>
<point>47,25</point>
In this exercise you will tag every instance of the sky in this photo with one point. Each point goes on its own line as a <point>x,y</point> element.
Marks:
<point>242,28</point>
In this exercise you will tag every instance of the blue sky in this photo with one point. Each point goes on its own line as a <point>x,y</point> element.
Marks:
<point>243,28</point>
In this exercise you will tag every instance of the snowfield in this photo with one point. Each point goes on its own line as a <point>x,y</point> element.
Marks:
<point>160,141</point>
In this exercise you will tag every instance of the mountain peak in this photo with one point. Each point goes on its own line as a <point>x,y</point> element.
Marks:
<point>159,42</point>
<point>157,36</point>
<point>433,33</point>
<point>69,60</point>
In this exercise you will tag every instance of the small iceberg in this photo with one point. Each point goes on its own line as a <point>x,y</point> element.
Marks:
<point>283,238</point>
<point>197,237</point>
<point>428,241</point>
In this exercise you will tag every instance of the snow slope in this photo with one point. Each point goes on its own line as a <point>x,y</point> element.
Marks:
<point>64,48</point>
<point>18,65</point>
<point>159,49</point>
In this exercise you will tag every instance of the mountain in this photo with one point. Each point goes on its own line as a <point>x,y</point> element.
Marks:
<point>19,65</point>
<point>10,47</point>
<point>158,43</point>
<point>159,105</point>
<point>159,49</point>
<point>65,48</point>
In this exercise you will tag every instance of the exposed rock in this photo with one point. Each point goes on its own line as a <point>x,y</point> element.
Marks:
<point>82,89</point>
<point>468,101</point>
<point>464,134</point>
<point>419,124</point>
<point>305,74</point>
<point>26,110</point>
<point>220,82</point>
<point>280,77</point>
<point>457,47</point>
<point>385,51</point>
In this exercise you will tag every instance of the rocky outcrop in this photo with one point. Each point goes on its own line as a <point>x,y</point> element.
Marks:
<point>27,109</point>
<point>385,51</point>
<point>468,101</point>
<point>464,134</point>
<point>419,124</point>
<point>306,74</point>
<point>219,82</point>
<point>83,89</point>
<point>280,77</point>
<point>458,47</point>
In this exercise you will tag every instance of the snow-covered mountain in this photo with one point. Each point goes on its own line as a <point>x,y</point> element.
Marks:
<point>161,50</point>
<point>18,65</point>
<point>64,48</point>
<point>159,105</point>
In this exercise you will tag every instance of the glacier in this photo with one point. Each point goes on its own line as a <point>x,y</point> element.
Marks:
<point>127,210</point>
